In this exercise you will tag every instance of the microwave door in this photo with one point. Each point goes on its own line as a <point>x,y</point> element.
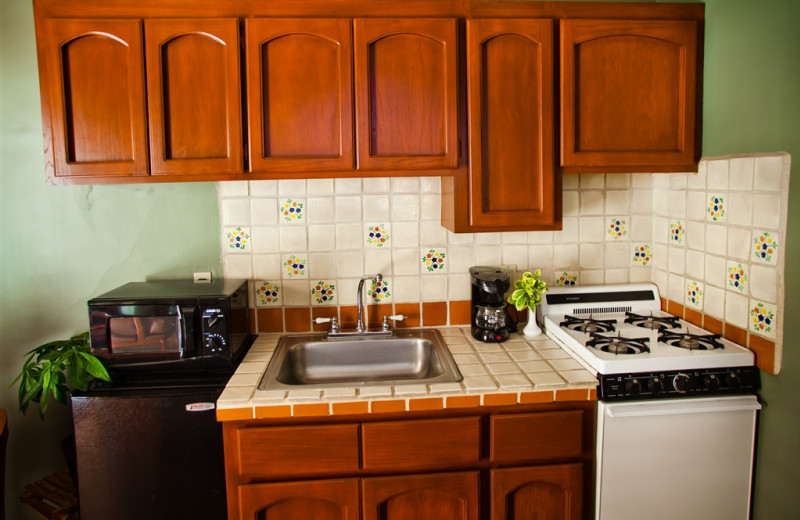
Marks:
<point>190,326</point>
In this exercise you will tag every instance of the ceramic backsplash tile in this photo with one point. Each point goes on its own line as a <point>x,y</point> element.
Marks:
<point>711,241</point>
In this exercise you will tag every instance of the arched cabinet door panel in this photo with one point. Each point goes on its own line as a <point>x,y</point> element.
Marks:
<point>406,87</point>
<point>629,94</point>
<point>300,94</point>
<point>194,96</point>
<point>93,80</point>
<point>318,500</point>
<point>446,496</point>
<point>552,492</point>
<point>510,95</point>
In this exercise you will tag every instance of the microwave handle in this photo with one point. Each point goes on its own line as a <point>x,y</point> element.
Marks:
<point>188,319</point>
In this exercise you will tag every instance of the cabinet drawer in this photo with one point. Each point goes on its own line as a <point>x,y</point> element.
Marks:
<point>536,437</point>
<point>426,444</point>
<point>295,451</point>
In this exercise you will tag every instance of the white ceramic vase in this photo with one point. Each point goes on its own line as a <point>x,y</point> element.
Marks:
<point>531,329</point>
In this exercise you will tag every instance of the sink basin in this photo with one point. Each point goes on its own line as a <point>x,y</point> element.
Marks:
<point>408,356</point>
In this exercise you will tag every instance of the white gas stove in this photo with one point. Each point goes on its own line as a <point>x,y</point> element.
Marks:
<point>620,334</point>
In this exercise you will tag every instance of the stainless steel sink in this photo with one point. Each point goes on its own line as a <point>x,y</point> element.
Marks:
<point>408,356</point>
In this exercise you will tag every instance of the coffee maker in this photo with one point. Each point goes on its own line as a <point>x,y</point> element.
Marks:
<point>490,320</point>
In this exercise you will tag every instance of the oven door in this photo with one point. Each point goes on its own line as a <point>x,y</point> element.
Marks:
<point>679,458</point>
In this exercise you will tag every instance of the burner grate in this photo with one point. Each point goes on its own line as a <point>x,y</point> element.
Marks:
<point>690,341</point>
<point>618,344</point>
<point>588,325</point>
<point>652,322</point>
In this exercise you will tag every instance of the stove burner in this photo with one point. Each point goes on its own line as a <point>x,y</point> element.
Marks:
<point>652,322</point>
<point>588,325</point>
<point>690,341</point>
<point>617,344</point>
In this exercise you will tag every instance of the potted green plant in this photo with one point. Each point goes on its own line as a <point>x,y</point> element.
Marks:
<point>528,294</point>
<point>50,370</point>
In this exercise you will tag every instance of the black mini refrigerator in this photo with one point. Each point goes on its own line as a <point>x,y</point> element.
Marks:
<point>151,452</point>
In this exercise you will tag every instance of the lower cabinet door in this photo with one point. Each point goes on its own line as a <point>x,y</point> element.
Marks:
<point>446,496</point>
<point>548,492</point>
<point>316,499</point>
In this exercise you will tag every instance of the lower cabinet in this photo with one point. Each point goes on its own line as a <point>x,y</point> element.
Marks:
<point>551,492</point>
<point>534,464</point>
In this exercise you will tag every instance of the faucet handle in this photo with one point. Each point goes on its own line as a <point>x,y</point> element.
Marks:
<point>334,323</point>
<point>396,317</point>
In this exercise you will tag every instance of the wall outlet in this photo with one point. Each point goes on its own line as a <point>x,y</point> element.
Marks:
<point>510,270</point>
<point>202,277</point>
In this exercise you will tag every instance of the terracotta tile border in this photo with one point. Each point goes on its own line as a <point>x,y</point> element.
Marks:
<point>499,399</point>
<point>395,405</point>
<point>765,352</point>
<point>463,401</point>
<point>311,410</point>
<point>349,408</point>
<point>572,394</point>
<point>736,334</point>
<point>537,397</point>
<point>267,412</point>
<point>234,414</point>
<point>430,403</point>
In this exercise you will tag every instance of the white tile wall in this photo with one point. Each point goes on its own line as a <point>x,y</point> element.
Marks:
<point>606,220</point>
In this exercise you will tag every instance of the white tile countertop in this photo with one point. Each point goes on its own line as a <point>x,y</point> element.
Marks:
<point>518,371</point>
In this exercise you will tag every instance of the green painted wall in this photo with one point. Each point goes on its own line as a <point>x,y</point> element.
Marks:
<point>752,104</point>
<point>62,245</point>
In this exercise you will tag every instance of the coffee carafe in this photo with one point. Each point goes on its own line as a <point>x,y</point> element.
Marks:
<point>490,320</point>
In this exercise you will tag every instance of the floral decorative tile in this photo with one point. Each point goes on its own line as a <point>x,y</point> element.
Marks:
<point>377,235</point>
<point>676,232</point>
<point>294,267</point>
<point>433,260</point>
<point>268,293</point>
<point>642,255</point>
<point>238,239</point>
<point>762,318</point>
<point>323,292</point>
<point>379,291</point>
<point>694,295</point>
<point>765,248</point>
<point>737,277</point>
<point>292,210</point>
<point>716,208</point>
<point>566,280</point>
<point>617,228</point>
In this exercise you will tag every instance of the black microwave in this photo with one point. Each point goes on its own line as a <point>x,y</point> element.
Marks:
<point>171,325</point>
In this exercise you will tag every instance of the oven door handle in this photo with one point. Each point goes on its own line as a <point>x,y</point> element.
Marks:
<point>683,407</point>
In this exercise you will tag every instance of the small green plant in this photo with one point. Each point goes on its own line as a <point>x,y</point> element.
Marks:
<point>50,369</point>
<point>528,291</point>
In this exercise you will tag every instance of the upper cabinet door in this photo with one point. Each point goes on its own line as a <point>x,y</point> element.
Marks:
<point>300,94</point>
<point>406,82</point>
<point>93,80</point>
<point>511,122</point>
<point>194,95</point>
<point>629,95</point>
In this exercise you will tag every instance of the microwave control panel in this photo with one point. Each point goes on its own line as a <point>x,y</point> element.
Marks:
<point>214,330</point>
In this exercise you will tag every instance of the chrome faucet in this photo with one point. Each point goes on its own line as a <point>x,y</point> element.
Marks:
<point>360,325</point>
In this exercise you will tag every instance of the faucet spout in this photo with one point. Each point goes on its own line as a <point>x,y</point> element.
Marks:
<point>360,323</point>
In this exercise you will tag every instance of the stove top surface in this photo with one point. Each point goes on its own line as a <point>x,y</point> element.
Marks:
<point>620,329</point>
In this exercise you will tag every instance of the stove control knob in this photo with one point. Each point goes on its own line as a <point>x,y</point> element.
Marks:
<point>734,381</point>
<point>655,385</point>
<point>633,387</point>
<point>682,383</point>
<point>711,382</point>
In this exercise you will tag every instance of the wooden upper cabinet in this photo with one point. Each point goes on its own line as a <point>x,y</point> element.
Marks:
<point>628,95</point>
<point>300,94</point>
<point>194,96</point>
<point>94,94</point>
<point>406,89</point>
<point>512,184</point>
